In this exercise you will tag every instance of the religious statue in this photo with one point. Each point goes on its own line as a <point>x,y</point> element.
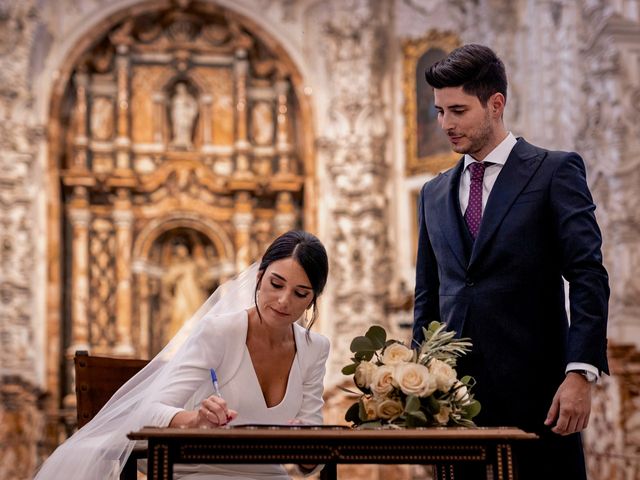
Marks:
<point>262,123</point>
<point>182,290</point>
<point>184,109</point>
<point>102,118</point>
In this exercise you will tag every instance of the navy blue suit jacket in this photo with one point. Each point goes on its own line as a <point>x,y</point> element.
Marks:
<point>506,290</point>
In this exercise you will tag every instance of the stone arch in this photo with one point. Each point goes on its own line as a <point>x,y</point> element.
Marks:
<point>157,227</point>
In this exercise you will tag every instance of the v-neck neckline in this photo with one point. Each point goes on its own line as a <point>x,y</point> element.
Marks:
<point>253,369</point>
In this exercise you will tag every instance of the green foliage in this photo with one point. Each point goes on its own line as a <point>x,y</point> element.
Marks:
<point>352,414</point>
<point>442,344</point>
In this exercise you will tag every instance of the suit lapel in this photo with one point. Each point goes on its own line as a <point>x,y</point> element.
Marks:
<point>449,218</point>
<point>520,166</point>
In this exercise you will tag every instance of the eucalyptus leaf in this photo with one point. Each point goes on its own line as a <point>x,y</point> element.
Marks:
<point>360,344</point>
<point>416,419</point>
<point>349,369</point>
<point>377,335</point>
<point>360,356</point>
<point>412,404</point>
<point>472,409</point>
<point>352,413</point>
<point>431,405</point>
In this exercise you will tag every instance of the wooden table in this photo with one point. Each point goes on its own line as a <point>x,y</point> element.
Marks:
<point>442,447</point>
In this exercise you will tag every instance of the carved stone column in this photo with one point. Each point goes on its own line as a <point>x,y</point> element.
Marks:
<point>123,220</point>
<point>142,280</point>
<point>609,140</point>
<point>611,441</point>
<point>159,102</point>
<point>81,141</point>
<point>283,146</point>
<point>285,218</point>
<point>242,222</point>
<point>123,141</point>
<point>206,101</point>
<point>353,151</point>
<point>79,217</point>
<point>23,290</point>
<point>242,143</point>
<point>20,429</point>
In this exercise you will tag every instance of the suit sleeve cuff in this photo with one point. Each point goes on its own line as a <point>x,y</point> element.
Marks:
<point>583,366</point>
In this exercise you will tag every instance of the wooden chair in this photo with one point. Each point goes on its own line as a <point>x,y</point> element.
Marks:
<point>97,379</point>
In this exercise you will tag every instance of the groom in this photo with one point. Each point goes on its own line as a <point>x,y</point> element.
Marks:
<point>498,233</point>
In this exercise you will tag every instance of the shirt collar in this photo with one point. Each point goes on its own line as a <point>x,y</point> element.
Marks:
<point>498,155</point>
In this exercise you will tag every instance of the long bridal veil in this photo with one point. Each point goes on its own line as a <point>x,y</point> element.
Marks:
<point>100,449</point>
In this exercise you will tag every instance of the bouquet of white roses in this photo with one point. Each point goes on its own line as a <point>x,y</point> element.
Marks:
<point>410,387</point>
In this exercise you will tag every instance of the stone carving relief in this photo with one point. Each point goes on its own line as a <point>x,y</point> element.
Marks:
<point>612,439</point>
<point>353,151</point>
<point>102,250</point>
<point>21,417</point>
<point>609,132</point>
<point>21,424</point>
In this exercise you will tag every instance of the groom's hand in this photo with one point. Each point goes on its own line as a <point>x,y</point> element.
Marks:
<point>571,406</point>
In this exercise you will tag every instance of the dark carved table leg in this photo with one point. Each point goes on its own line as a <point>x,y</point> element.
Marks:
<point>160,468</point>
<point>503,467</point>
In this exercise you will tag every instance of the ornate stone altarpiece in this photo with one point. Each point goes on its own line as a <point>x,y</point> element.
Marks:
<point>182,154</point>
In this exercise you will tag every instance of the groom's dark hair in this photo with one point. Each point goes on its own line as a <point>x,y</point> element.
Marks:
<point>309,252</point>
<point>475,68</point>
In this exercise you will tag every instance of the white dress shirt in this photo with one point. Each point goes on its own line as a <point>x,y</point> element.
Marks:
<point>494,163</point>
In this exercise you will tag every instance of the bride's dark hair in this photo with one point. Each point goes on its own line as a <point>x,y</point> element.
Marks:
<point>309,252</point>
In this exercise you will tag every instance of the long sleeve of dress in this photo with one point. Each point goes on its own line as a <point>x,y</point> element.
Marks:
<point>189,382</point>
<point>313,386</point>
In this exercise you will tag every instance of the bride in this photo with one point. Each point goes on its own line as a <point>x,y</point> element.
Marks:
<point>248,333</point>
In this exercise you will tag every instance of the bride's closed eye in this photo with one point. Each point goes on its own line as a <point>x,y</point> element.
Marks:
<point>298,294</point>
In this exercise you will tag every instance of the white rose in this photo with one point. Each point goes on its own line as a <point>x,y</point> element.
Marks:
<point>396,353</point>
<point>389,409</point>
<point>364,374</point>
<point>414,379</point>
<point>445,375</point>
<point>382,381</point>
<point>461,393</point>
<point>443,415</point>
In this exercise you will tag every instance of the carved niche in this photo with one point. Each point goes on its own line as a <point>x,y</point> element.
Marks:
<point>180,161</point>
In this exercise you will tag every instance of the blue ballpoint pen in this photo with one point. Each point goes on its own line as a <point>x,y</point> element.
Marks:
<point>214,380</point>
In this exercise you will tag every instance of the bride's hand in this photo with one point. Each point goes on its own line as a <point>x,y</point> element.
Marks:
<point>213,412</point>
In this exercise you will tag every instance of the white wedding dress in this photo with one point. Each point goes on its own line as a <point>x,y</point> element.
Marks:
<point>224,349</point>
<point>179,378</point>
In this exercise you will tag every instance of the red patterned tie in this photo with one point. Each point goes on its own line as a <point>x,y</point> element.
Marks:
<point>473,214</point>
